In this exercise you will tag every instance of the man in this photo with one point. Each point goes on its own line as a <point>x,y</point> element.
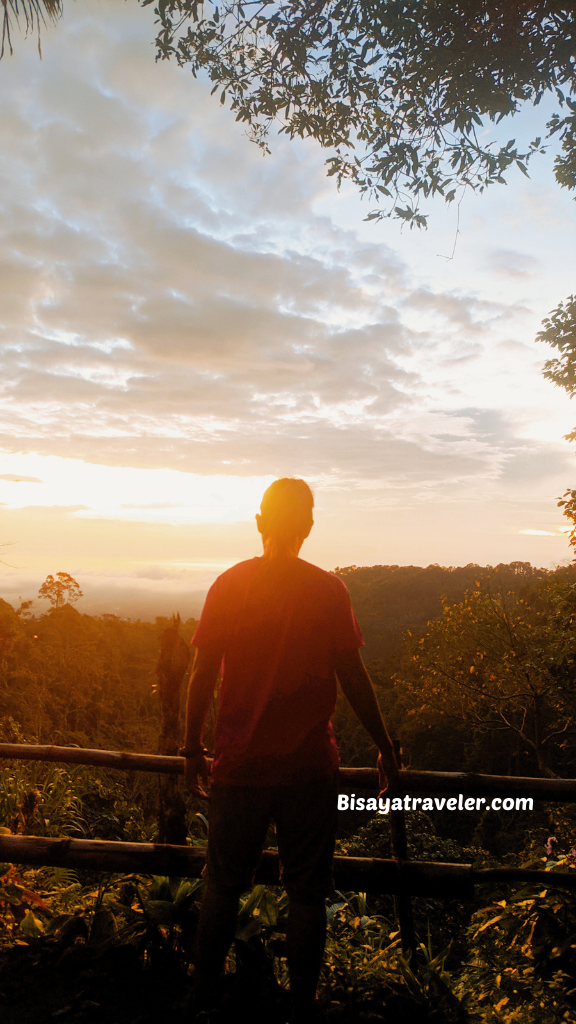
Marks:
<point>283,630</point>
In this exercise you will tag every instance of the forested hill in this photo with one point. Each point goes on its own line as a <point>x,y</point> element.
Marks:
<point>70,678</point>
<point>390,599</point>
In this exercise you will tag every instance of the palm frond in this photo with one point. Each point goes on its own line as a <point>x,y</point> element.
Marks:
<point>30,13</point>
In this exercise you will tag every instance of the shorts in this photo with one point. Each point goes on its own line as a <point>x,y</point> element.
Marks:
<point>305,817</point>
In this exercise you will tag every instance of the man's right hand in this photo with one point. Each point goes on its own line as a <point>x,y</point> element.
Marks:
<point>196,774</point>
<point>387,778</point>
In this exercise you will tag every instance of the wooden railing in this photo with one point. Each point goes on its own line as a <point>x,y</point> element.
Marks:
<point>468,783</point>
<point>398,876</point>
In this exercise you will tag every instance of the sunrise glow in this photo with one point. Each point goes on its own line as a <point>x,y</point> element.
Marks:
<point>127,494</point>
<point>183,321</point>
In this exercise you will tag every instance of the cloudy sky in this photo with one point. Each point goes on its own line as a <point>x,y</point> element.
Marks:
<point>182,320</point>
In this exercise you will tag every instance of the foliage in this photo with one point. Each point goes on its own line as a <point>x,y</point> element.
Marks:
<point>160,915</point>
<point>40,800</point>
<point>444,931</point>
<point>33,13</point>
<point>424,843</point>
<point>401,90</point>
<point>93,948</point>
<point>521,965</point>
<point>497,663</point>
<point>75,801</point>
<point>81,679</point>
<point>19,905</point>
<point>100,950</point>
<point>106,943</point>
<point>559,331</point>
<point>64,589</point>
<point>367,977</point>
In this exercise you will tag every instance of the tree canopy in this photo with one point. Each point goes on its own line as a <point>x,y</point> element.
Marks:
<point>400,90</point>
<point>559,331</point>
<point>64,589</point>
<point>497,662</point>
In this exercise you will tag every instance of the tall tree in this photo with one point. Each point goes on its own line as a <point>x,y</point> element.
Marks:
<point>64,589</point>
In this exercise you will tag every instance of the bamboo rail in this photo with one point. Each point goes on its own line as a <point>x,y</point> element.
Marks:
<point>368,874</point>
<point>469,783</point>
<point>123,761</point>
<point>399,877</point>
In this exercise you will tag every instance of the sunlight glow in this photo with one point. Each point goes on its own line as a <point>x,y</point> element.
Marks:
<point>126,493</point>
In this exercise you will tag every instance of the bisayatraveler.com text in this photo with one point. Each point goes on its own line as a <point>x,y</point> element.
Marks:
<point>438,803</point>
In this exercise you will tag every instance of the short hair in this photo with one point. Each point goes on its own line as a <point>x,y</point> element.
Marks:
<point>286,508</point>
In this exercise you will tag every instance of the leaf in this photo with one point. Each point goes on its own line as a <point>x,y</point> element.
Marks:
<point>261,909</point>
<point>487,925</point>
<point>333,909</point>
<point>31,897</point>
<point>161,912</point>
<point>31,926</point>
<point>188,891</point>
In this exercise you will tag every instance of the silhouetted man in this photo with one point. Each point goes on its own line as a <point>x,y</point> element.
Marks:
<point>283,630</point>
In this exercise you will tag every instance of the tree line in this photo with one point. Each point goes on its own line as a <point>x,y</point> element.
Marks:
<point>473,666</point>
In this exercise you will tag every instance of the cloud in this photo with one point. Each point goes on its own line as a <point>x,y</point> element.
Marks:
<point>513,264</point>
<point>14,479</point>
<point>169,298</point>
<point>460,311</point>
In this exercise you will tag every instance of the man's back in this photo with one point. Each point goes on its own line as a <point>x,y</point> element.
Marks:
<point>279,626</point>
<point>283,629</point>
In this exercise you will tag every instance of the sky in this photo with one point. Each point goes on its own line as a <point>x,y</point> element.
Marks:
<point>182,320</point>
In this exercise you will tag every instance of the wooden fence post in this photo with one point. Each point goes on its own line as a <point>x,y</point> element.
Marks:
<point>400,852</point>
<point>171,670</point>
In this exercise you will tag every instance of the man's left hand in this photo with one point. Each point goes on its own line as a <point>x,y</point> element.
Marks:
<point>196,774</point>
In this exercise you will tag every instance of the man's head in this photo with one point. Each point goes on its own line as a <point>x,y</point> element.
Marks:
<point>285,518</point>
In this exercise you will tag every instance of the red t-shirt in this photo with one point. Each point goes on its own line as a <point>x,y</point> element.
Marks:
<point>279,625</point>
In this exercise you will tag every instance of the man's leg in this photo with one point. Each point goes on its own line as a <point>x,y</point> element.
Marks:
<point>216,930</point>
<point>239,817</point>
<point>306,828</point>
<point>305,940</point>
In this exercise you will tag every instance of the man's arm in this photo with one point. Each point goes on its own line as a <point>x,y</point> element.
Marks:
<point>200,693</point>
<point>359,692</point>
